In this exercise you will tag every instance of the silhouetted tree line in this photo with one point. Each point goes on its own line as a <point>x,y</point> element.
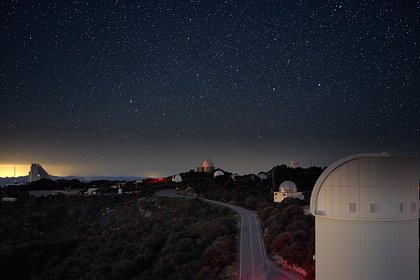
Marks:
<point>61,184</point>
<point>115,237</point>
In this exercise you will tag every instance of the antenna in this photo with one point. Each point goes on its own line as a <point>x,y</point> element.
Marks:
<point>14,173</point>
<point>273,182</point>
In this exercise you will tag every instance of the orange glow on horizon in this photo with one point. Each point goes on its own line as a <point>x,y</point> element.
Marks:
<point>7,170</point>
<point>151,174</point>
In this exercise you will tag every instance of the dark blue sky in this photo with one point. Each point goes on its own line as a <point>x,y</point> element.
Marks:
<point>155,87</point>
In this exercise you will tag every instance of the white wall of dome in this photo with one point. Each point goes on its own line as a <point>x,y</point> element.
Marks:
<point>366,210</point>
<point>218,173</point>
<point>177,178</point>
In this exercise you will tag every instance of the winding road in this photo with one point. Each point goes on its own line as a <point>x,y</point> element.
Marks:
<point>253,261</point>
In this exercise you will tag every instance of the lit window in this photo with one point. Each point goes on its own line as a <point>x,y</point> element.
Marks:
<point>373,207</point>
<point>352,207</point>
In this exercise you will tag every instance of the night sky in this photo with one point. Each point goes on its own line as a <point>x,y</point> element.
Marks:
<point>155,87</point>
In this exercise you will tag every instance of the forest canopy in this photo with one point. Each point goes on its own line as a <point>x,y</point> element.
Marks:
<point>115,237</point>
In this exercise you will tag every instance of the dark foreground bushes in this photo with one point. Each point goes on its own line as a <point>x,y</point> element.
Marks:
<point>115,237</point>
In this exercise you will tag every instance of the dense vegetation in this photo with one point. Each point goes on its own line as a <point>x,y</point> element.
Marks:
<point>140,236</point>
<point>288,232</point>
<point>136,236</point>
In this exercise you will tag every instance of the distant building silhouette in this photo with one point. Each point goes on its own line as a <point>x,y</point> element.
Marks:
<point>294,163</point>
<point>37,173</point>
<point>207,166</point>
<point>262,176</point>
<point>218,173</point>
<point>177,178</point>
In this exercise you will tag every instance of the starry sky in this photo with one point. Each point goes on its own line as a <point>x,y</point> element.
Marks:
<point>153,88</point>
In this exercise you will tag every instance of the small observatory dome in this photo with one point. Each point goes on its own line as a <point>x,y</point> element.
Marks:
<point>177,178</point>
<point>287,186</point>
<point>294,163</point>
<point>218,173</point>
<point>262,176</point>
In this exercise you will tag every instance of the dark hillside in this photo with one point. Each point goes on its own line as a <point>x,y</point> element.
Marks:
<point>115,237</point>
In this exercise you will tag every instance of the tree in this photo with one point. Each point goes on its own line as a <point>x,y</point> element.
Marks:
<point>218,255</point>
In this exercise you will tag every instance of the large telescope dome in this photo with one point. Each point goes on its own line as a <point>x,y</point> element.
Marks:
<point>208,163</point>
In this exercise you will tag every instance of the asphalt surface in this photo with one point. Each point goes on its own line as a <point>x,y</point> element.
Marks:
<point>253,262</point>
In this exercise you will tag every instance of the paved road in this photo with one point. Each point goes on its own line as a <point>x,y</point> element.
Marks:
<point>253,261</point>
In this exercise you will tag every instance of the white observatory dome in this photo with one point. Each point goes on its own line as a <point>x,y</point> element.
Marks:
<point>208,163</point>
<point>294,163</point>
<point>218,173</point>
<point>287,186</point>
<point>262,176</point>
<point>177,179</point>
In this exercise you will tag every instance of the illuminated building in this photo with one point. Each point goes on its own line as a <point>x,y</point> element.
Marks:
<point>287,189</point>
<point>294,163</point>
<point>177,178</point>
<point>218,173</point>
<point>37,172</point>
<point>367,219</point>
<point>207,166</point>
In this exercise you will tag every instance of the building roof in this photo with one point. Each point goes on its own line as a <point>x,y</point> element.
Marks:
<point>177,178</point>
<point>287,186</point>
<point>208,163</point>
<point>262,176</point>
<point>218,173</point>
<point>366,181</point>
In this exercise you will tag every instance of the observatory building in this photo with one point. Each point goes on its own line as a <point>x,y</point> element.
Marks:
<point>37,173</point>
<point>294,163</point>
<point>177,178</point>
<point>218,173</point>
<point>207,166</point>
<point>262,176</point>
<point>287,189</point>
<point>366,210</point>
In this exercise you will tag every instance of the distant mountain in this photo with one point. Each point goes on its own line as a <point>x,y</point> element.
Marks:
<point>24,179</point>
<point>13,181</point>
<point>96,178</point>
